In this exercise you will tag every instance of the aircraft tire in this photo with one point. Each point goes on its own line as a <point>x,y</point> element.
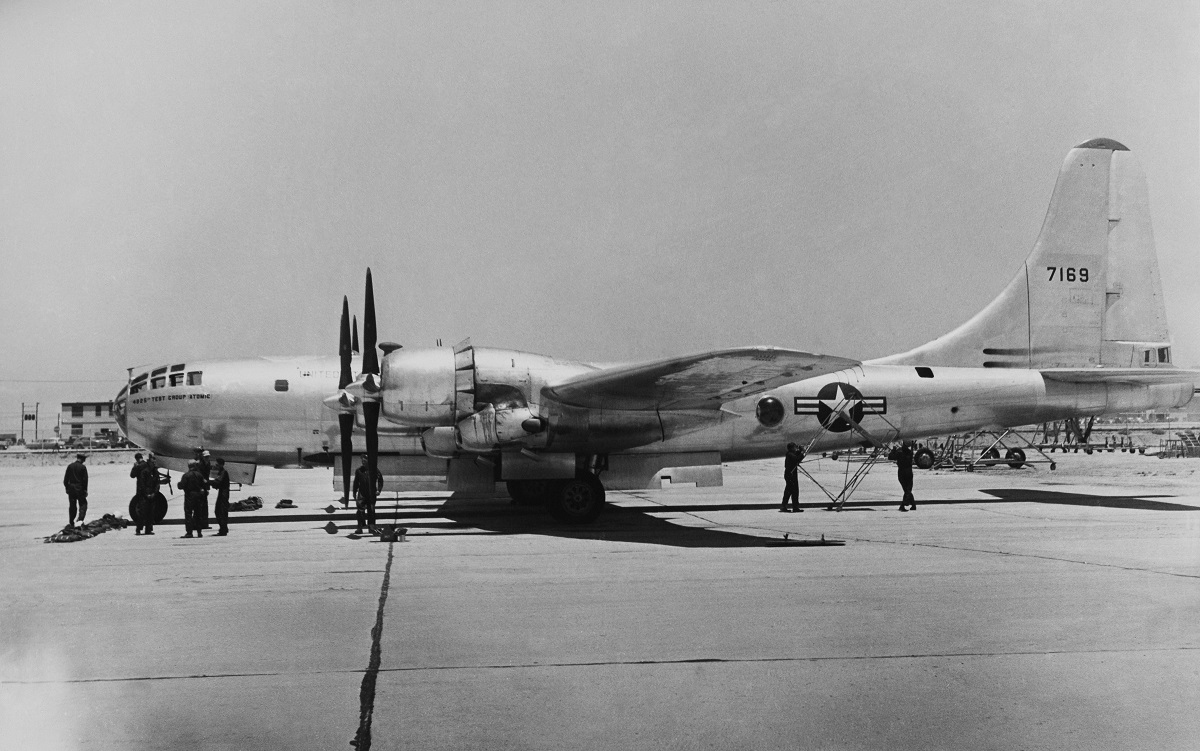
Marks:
<point>1015,457</point>
<point>990,457</point>
<point>577,501</point>
<point>160,509</point>
<point>924,459</point>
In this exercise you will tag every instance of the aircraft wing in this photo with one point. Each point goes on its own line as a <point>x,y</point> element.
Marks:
<point>1143,376</point>
<point>703,381</point>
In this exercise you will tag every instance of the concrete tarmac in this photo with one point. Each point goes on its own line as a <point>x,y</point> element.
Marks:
<point>1015,609</point>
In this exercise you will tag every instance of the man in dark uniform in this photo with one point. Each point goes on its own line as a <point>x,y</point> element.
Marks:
<point>135,473</point>
<point>791,485</point>
<point>221,484</point>
<point>194,488</point>
<point>205,463</point>
<point>362,487</point>
<point>75,480</point>
<point>205,469</point>
<point>147,493</point>
<point>903,456</point>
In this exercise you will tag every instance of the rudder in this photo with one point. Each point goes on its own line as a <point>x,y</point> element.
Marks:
<point>1088,295</point>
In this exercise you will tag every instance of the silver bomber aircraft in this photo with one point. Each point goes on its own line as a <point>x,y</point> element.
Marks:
<point>1079,331</point>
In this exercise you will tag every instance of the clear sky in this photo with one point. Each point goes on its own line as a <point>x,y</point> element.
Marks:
<point>603,181</point>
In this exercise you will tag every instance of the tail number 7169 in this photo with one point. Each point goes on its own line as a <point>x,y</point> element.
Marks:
<point>1067,274</point>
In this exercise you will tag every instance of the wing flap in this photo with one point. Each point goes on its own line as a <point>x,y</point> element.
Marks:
<point>702,381</point>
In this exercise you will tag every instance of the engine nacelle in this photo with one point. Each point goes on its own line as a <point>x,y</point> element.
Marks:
<point>491,427</point>
<point>418,387</point>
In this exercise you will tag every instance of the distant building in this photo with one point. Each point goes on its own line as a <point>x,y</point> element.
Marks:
<point>87,420</point>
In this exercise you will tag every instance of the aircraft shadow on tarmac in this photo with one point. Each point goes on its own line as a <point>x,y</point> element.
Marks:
<point>616,524</point>
<point>1134,502</point>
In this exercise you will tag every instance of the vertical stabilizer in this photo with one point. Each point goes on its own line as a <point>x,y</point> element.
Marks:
<point>1089,294</point>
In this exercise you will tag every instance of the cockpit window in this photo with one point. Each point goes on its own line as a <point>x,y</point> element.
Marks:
<point>158,371</point>
<point>177,379</point>
<point>138,383</point>
<point>195,377</point>
<point>158,383</point>
<point>176,368</point>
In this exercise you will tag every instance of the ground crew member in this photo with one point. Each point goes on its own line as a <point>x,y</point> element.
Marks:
<point>194,488</point>
<point>205,463</point>
<point>221,509</point>
<point>147,493</point>
<point>138,464</point>
<point>791,485</point>
<point>362,487</point>
<point>75,480</point>
<point>903,456</point>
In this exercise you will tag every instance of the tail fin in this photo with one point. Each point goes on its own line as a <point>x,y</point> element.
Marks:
<point>1089,294</point>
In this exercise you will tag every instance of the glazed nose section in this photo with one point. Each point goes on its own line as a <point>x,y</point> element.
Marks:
<point>120,409</point>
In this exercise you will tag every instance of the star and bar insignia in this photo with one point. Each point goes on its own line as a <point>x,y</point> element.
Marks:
<point>833,399</point>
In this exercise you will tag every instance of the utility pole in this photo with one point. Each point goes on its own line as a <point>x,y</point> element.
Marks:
<point>22,423</point>
<point>36,408</point>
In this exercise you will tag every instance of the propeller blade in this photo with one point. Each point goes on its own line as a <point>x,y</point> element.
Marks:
<point>344,346</point>
<point>354,337</point>
<point>371,418</point>
<point>370,355</point>
<point>346,424</point>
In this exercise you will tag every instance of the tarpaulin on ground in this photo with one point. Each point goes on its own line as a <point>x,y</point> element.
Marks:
<point>90,529</point>
<point>253,503</point>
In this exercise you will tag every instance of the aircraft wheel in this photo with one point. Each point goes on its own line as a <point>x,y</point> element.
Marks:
<point>1015,457</point>
<point>578,501</point>
<point>159,510</point>
<point>1053,466</point>
<point>924,459</point>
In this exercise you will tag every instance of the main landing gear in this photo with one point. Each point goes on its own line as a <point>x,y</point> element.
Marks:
<point>576,501</point>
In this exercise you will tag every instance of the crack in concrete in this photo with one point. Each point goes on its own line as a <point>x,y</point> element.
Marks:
<point>618,663</point>
<point>366,693</point>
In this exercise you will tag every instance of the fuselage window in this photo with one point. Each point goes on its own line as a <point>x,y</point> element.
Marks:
<point>1146,356</point>
<point>195,377</point>
<point>177,379</point>
<point>1164,354</point>
<point>281,385</point>
<point>925,372</point>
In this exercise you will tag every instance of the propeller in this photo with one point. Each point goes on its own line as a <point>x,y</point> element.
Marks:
<point>365,391</point>
<point>371,388</point>
<point>345,419</point>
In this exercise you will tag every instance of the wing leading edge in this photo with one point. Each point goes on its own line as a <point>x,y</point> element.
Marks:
<point>702,381</point>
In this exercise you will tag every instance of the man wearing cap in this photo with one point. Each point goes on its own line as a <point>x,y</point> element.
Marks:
<point>791,484</point>
<point>194,488</point>
<point>138,465</point>
<point>221,509</point>
<point>205,463</point>
<point>76,481</point>
<point>361,489</point>
<point>147,493</point>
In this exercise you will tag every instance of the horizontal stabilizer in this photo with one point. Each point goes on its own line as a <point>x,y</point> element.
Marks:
<point>703,381</point>
<point>1143,376</point>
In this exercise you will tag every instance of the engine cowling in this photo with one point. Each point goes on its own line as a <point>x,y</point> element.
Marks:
<point>418,387</point>
<point>490,428</point>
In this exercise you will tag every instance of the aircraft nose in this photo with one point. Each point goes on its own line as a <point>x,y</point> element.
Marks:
<point>120,409</point>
